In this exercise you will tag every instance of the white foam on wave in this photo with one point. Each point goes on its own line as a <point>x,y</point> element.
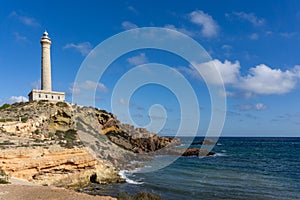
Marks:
<point>220,154</point>
<point>215,155</point>
<point>182,145</point>
<point>124,173</point>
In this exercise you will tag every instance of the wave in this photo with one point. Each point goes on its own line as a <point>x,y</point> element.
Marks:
<point>215,155</point>
<point>220,154</point>
<point>124,175</point>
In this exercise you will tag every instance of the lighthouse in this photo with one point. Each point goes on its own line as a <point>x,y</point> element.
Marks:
<point>46,62</point>
<point>46,92</point>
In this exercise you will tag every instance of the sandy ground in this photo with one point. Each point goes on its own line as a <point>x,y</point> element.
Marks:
<point>23,190</point>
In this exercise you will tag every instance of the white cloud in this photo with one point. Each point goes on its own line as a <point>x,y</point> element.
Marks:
<point>268,33</point>
<point>124,102</point>
<point>28,21</point>
<point>254,36</point>
<point>260,106</point>
<point>257,107</point>
<point>84,48</point>
<point>14,99</point>
<point>128,25</point>
<point>264,80</point>
<point>226,46</point>
<point>87,85</point>
<point>182,30</point>
<point>74,89</point>
<point>91,84</point>
<point>260,79</point>
<point>228,71</point>
<point>288,34</point>
<point>250,17</point>
<point>227,50</point>
<point>208,24</point>
<point>132,9</point>
<point>20,38</point>
<point>138,60</point>
<point>296,70</point>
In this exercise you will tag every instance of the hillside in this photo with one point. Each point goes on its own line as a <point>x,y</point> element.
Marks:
<point>69,145</point>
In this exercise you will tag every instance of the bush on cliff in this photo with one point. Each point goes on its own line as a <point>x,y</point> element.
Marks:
<point>3,177</point>
<point>4,106</point>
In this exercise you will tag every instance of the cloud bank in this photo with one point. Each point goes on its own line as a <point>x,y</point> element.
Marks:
<point>261,79</point>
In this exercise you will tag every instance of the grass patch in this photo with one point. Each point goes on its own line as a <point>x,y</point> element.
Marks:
<point>62,104</point>
<point>4,106</point>
<point>7,120</point>
<point>70,136</point>
<point>3,180</point>
<point>24,119</point>
<point>7,142</point>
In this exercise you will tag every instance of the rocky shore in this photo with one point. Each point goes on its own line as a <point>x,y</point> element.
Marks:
<point>60,144</point>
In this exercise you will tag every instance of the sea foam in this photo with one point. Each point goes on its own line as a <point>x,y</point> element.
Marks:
<point>124,174</point>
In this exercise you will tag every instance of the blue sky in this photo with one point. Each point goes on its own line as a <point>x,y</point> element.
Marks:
<point>254,44</point>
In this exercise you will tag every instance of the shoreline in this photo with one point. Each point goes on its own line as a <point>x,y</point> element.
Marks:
<point>22,189</point>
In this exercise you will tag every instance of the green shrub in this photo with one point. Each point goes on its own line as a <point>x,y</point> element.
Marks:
<point>70,136</point>
<point>6,120</point>
<point>4,106</point>
<point>2,173</point>
<point>3,181</point>
<point>24,119</point>
<point>62,104</point>
<point>40,102</point>
<point>7,142</point>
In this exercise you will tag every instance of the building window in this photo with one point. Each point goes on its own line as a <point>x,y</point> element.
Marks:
<point>46,96</point>
<point>58,97</point>
<point>52,97</point>
<point>39,95</point>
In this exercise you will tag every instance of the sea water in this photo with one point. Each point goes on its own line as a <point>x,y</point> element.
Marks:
<point>243,168</point>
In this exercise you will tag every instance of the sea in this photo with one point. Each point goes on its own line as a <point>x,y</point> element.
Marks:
<point>242,168</point>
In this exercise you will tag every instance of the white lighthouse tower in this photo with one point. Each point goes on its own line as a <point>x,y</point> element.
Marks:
<point>46,62</point>
<point>46,92</point>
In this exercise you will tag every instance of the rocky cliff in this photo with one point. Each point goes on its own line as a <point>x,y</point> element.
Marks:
<point>70,145</point>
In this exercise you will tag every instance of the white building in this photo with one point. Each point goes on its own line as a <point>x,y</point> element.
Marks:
<point>46,92</point>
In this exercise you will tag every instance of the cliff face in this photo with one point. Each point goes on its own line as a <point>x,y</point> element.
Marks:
<point>68,145</point>
<point>57,166</point>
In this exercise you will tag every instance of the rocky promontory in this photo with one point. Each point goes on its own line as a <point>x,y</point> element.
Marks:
<point>68,145</point>
<point>62,144</point>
